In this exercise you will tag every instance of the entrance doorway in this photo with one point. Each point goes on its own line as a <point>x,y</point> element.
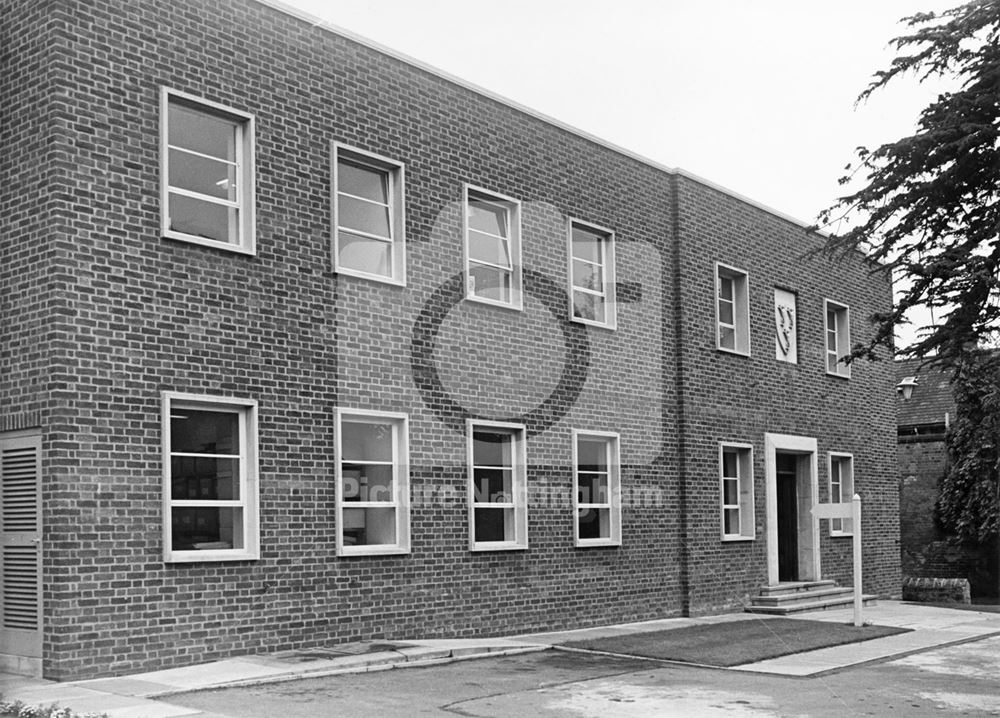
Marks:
<point>791,491</point>
<point>786,475</point>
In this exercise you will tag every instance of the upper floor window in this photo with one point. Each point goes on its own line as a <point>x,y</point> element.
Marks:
<point>838,338</point>
<point>210,478</point>
<point>598,489</point>
<point>736,489</point>
<point>492,248</point>
<point>841,490</point>
<point>732,309</point>
<point>207,173</point>
<point>592,274</point>
<point>368,217</point>
<point>372,483</point>
<point>498,502</point>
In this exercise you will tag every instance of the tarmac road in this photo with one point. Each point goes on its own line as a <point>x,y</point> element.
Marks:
<point>960,680</point>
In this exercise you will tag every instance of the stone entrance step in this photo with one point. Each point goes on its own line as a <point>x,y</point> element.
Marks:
<point>800,596</point>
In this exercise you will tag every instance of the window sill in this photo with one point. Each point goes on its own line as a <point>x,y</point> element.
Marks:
<point>597,543</point>
<point>498,546</point>
<point>734,352</point>
<point>841,534</point>
<point>837,375</point>
<point>513,306</point>
<point>609,326</point>
<point>210,556</point>
<point>225,246</point>
<point>737,539</point>
<point>348,551</point>
<point>369,277</point>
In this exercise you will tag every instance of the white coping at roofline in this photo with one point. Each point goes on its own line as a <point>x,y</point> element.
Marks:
<point>361,40</point>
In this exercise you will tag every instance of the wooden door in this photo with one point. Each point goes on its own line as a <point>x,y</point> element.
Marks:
<point>788,524</point>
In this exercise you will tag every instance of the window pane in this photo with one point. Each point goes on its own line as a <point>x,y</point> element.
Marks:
<point>363,182</point>
<point>494,524</point>
<point>587,276</point>
<point>195,431</point>
<point>365,441</point>
<point>493,486</point>
<point>731,521</point>
<point>490,283</point>
<point>363,216</point>
<point>726,312</point>
<point>586,245</point>
<point>486,248</point>
<point>203,219</point>
<point>206,529</point>
<point>369,527</point>
<point>731,492</point>
<point>593,489</point>
<point>201,132</point>
<point>726,288</point>
<point>487,217</point>
<point>592,455</point>
<point>491,448</point>
<point>594,523</point>
<point>205,176</point>
<point>727,338</point>
<point>371,256</point>
<point>588,306</point>
<point>200,478</point>
<point>832,364</point>
<point>730,465</point>
<point>372,482</point>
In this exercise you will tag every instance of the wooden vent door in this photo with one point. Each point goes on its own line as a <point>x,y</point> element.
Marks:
<point>20,548</point>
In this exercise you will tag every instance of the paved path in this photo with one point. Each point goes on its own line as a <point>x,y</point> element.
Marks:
<point>154,695</point>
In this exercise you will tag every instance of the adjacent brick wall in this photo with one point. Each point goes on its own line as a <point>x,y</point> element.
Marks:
<point>141,315</point>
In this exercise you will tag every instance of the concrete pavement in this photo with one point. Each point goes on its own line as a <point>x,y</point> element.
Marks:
<point>132,696</point>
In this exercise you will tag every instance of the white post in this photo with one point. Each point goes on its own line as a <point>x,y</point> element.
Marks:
<point>856,520</point>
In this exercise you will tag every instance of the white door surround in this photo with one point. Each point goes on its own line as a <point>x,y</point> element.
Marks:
<point>808,495</point>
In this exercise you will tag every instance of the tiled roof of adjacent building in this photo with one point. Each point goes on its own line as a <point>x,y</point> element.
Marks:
<point>932,396</point>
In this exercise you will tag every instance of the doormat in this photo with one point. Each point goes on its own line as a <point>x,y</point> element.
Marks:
<point>735,643</point>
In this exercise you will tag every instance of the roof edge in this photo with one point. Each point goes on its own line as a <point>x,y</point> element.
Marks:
<point>447,76</point>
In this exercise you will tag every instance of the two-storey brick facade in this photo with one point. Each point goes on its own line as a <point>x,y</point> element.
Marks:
<point>397,282</point>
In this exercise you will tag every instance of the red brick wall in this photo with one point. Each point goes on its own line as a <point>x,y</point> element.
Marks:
<point>144,314</point>
<point>738,398</point>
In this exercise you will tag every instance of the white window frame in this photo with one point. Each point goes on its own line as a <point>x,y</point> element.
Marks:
<point>607,265</point>
<point>840,527</point>
<point>245,204</point>
<point>613,505</point>
<point>513,207</point>
<point>842,337</point>
<point>396,172</point>
<point>741,309</point>
<point>745,482</point>
<point>401,482</point>
<point>249,477</point>
<point>519,486</point>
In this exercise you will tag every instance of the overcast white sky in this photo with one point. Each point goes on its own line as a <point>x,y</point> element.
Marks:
<point>757,96</point>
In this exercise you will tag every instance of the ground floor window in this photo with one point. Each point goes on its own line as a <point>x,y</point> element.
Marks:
<point>841,490</point>
<point>736,491</point>
<point>210,478</point>
<point>498,502</point>
<point>372,483</point>
<point>597,489</point>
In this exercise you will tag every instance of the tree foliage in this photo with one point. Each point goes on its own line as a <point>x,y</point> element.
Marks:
<point>967,504</point>
<point>929,210</point>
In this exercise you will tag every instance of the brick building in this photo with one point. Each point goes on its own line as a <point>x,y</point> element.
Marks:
<point>263,386</point>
